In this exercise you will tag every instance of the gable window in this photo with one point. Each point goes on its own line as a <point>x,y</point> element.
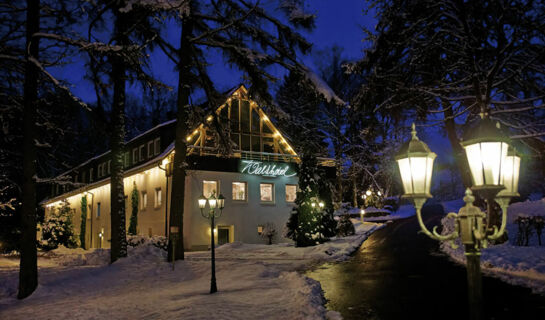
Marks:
<point>134,155</point>
<point>141,152</point>
<point>157,146</point>
<point>209,188</point>
<point>266,192</point>
<point>239,191</point>
<point>144,202</point>
<point>150,149</point>
<point>291,192</point>
<point>158,197</point>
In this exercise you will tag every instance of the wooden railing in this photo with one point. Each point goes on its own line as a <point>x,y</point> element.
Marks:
<point>254,155</point>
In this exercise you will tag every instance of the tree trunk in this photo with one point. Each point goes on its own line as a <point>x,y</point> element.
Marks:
<point>459,153</point>
<point>180,147</point>
<point>117,141</point>
<point>28,268</point>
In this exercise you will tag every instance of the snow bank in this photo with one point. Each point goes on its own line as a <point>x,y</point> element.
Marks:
<point>404,211</point>
<point>519,265</point>
<point>254,282</point>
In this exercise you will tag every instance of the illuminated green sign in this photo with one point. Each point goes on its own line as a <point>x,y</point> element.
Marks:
<point>269,169</point>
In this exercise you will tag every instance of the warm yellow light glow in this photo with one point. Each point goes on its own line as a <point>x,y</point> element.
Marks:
<point>265,117</point>
<point>165,161</point>
<point>510,173</point>
<point>416,174</point>
<point>188,138</point>
<point>215,231</point>
<point>321,204</point>
<point>368,192</point>
<point>212,202</point>
<point>276,134</point>
<point>313,204</point>
<point>362,212</point>
<point>195,132</point>
<point>209,118</point>
<point>379,193</point>
<point>485,161</point>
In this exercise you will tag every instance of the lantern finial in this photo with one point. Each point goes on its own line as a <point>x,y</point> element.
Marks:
<point>413,131</point>
<point>469,198</point>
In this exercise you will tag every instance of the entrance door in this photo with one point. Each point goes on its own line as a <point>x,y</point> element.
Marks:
<point>223,235</point>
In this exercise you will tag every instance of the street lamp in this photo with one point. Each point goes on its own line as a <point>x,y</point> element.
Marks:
<point>488,159</point>
<point>362,213</point>
<point>216,208</point>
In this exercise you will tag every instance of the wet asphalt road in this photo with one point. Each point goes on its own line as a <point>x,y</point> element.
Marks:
<point>399,274</point>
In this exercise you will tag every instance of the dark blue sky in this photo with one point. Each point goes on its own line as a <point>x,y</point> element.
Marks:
<point>338,23</point>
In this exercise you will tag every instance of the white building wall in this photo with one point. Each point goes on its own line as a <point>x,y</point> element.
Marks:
<point>242,216</point>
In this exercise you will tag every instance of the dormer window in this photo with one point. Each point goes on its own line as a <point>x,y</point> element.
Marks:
<point>150,149</point>
<point>134,155</point>
<point>157,146</point>
<point>141,152</point>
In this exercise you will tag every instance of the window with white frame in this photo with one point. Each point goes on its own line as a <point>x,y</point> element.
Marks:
<point>157,146</point>
<point>266,191</point>
<point>291,192</point>
<point>240,191</point>
<point>158,197</point>
<point>143,200</point>
<point>209,188</point>
<point>150,149</point>
<point>134,155</point>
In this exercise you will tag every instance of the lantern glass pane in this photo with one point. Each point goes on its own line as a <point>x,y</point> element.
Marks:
<point>429,168</point>
<point>202,203</point>
<point>473,153</point>
<point>212,203</point>
<point>510,173</point>
<point>418,173</point>
<point>405,171</point>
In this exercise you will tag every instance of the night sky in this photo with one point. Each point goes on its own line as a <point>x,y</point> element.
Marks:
<point>337,23</point>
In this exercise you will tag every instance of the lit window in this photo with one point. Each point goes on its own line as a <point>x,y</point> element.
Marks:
<point>98,210</point>
<point>134,156</point>
<point>239,191</point>
<point>158,197</point>
<point>144,202</point>
<point>142,152</point>
<point>157,147</point>
<point>209,188</point>
<point>291,192</point>
<point>150,149</point>
<point>267,192</point>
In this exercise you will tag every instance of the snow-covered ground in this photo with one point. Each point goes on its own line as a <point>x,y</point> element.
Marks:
<point>254,282</point>
<point>403,212</point>
<point>518,265</point>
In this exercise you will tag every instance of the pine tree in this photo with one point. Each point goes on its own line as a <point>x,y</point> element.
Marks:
<point>134,214</point>
<point>311,221</point>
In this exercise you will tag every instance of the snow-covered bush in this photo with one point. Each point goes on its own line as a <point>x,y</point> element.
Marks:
<point>524,230</point>
<point>156,241</point>
<point>345,227</point>
<point>58,229</point>
<point>269,232</point>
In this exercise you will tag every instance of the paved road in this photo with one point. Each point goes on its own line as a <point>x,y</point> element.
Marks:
<point>399,274</point>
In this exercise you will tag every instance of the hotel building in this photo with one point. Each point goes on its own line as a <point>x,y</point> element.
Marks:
<point>258,180</point>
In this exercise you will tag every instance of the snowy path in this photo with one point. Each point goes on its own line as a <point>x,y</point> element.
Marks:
<point>254,281</point>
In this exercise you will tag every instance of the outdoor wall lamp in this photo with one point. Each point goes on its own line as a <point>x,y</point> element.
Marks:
<point>216,208</point>
<point>493,169</point>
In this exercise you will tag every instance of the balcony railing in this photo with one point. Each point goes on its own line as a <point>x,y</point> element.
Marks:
<point>254,155</point>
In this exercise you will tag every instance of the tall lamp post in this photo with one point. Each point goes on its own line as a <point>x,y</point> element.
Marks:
<point>493,169</point>
<point>216,208</point>
<point>166,166</point>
